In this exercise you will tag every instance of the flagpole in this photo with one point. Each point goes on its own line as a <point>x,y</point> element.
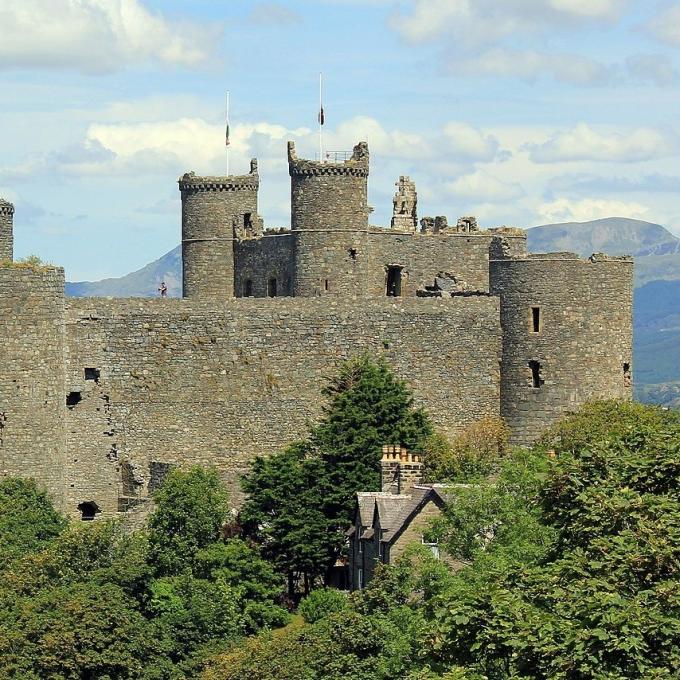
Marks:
<point>227,134</point>
<point>321,117</point>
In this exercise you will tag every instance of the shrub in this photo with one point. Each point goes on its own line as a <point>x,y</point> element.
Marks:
<point>320,603</point>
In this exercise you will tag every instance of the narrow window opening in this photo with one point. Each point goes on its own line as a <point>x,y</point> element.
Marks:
<point>88,510</point>
<point>247,220</point>
<point>394,281</point>
<point>326,285</point>
<point>536,379</point>
<point>271,288</point>
<point>353,253</point>
<point>248,288</point>
<point>627,378</point>
<point>73,399</point>
<point>92,374</point>
<point>536,319</point>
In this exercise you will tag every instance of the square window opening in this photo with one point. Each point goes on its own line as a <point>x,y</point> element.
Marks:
<point>92,374</point>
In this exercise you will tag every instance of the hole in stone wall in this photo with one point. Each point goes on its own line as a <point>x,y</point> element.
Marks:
<point>627,378</point>
<point>247,220</point>
<point>157,474</point>
<point>88,510</point>
<point>536,319</point>
<point>92,374</point>
<point>248,288</point>
<point>536,379</point>
<point>393,281</point>
<point>271,288</point>
<point>353,253</point>
<point>73,399</point>
<point>326,285</point>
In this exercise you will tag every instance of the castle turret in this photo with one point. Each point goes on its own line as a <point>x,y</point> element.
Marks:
<point>6,230</point>
<point>567,335</point>
<point>213,210</point>
<point>329,217</point>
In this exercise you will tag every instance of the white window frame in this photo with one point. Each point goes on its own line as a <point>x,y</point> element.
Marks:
<point>433,546</point>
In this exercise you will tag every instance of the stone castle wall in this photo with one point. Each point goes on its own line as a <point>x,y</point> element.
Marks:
<point>582,347</point>
<point>261,260</point>
<point>32,396</point>
<point>183,382</point>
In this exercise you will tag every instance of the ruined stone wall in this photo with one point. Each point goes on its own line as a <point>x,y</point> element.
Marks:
<point>263,259</point>
<point>581,342</point>
<point>422,256</point>
<point>32,396</point>
<point>6,230</point>
<point>181,381</point>
<point>211,208</point>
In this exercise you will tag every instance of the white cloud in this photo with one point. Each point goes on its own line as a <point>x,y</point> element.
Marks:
<point>665,26</point>
<point>583,143</point>
<point>484,21</point>
<point>95,36</point>
<point>531,64</point>
<point>468,143</point>
<point>565,210</point>
<point>481,186</point>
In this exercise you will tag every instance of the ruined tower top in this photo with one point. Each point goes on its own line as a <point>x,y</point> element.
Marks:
<point>6,230</point>
<point>404,214</point>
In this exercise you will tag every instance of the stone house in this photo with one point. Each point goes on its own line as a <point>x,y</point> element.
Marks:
<point>387,522</point>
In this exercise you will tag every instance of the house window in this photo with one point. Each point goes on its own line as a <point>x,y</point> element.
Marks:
<point>535,319</point>
<point>271,288</point>
<point>248,288</point>
<point>394,281</point>
<point>360,579</point>
<point>433,547</point>
<point>536,378</point>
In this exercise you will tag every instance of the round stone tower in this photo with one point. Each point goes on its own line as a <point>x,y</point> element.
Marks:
<point>329,217</point>
<point>567,335</point>
<point>6,230</point>
<point>213,208</point>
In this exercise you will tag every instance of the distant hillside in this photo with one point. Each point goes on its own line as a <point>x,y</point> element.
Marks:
<point>142,283</point>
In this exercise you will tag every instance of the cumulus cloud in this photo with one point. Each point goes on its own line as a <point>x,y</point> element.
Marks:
<point>472,144</point>
<point>566,210</point>
<point>482,186</point>
<point>97,36</point>
<point>583,143</point>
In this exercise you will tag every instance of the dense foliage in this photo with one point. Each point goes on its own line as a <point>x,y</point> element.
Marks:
<point>91,601</point>
<point>301,501</point>
<point>570,569</point>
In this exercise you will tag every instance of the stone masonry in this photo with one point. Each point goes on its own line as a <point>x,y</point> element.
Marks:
<point>99,398</point>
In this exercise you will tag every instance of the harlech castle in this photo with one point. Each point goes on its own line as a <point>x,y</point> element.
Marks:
<point>100,397</point>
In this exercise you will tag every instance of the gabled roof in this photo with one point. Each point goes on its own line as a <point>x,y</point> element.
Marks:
<point>394,512</point>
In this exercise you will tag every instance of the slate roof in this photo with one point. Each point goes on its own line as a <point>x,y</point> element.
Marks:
<point>395,511</point>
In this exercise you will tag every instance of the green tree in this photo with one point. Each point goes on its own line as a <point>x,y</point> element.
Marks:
<point>284,512</point>
<point>28,520</point>
<point>600,599</point>
<point>191,509</point>
<point>300,501</point>
<point>367,407</point>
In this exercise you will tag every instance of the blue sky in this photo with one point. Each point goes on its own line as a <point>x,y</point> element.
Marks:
<point>521,112</point>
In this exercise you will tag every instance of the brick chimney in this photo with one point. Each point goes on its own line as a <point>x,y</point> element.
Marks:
<point>399,470</point>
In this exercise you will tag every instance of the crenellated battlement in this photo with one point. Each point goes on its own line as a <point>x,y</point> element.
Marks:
<point>6,208</point>
<point>356,166</point>
<point>190,182</point>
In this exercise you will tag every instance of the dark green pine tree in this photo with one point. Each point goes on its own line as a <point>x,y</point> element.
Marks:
<point>368,407</point>
<point>300,502</point>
